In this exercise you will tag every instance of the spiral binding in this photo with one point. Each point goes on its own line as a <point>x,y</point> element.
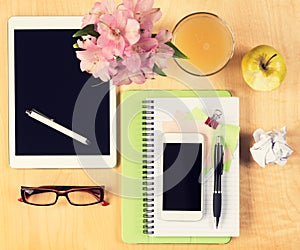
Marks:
<point>148,165</point>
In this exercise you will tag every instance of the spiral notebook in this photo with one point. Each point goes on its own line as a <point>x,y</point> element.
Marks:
<point>188,115</point>
<point>136,216</point>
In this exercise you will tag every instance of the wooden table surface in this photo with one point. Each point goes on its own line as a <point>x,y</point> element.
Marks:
<point>269,198</point>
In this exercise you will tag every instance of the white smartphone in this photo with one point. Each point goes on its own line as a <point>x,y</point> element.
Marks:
<point>182,165</point>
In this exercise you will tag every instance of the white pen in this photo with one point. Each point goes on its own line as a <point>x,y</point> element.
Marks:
<point>50,122</point>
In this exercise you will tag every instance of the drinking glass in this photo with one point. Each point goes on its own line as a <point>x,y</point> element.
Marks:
<point>207,40</point>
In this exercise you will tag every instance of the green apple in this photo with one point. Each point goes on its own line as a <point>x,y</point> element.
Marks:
<point>263,68</point>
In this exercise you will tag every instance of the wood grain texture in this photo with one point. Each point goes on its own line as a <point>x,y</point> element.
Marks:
<point>270,200</point>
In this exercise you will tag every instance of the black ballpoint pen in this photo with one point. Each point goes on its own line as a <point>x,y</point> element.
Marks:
<point>218,171</point>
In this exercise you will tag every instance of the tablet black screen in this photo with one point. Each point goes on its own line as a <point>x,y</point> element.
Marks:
<point>48,78</point>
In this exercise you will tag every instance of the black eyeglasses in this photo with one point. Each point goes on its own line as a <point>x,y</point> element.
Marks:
<point>76,195</point>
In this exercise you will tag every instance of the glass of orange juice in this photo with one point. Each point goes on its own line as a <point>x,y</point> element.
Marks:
<point>206,40</point>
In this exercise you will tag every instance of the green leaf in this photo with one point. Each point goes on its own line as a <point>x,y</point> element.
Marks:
<point>87,30</point>
<point>158,70</point>
<point>177,52</point>
<point>75,46</point>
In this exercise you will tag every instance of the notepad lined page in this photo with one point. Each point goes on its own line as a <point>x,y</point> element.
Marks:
<point>170,111</point>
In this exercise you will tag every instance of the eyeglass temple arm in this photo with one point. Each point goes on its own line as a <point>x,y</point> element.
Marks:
<point>103,203</point>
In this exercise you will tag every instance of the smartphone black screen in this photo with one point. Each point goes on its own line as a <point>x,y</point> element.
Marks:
<point>182,166</point>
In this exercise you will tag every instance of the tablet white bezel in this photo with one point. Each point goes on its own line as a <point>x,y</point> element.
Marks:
<point>182,215</point>
<point>19,161</point>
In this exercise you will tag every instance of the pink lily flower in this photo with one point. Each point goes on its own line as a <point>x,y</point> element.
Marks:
<point>124,49</point>
<point>143,12</point>
<point>84,43</point>
<point>117,31</point>
<point>142,46</point>
<point>95,61</point>
<point>99,9</point>
<point>136,68</point>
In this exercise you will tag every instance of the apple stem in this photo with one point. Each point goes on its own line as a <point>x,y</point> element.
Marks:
<point>265,65</point>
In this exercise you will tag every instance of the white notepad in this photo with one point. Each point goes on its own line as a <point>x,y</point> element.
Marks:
<point>167,112</point>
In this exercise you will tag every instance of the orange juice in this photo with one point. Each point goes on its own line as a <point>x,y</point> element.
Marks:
<point>206,40</point>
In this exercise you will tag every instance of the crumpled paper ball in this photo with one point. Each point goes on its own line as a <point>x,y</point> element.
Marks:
<point>270,147</point>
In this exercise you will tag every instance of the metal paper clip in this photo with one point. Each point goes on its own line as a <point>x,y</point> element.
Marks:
<point>212,121</point>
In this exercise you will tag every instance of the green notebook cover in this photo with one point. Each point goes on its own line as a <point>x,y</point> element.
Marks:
<point>132,171</point>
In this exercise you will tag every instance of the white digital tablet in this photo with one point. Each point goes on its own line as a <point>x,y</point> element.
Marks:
<point>59,116</point>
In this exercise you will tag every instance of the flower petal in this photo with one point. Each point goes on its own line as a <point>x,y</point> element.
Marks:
<point>137,77</point>
<point>120,20</point>
<point>163,53</point>
<point>87,41</point>
<point>164,36</point>
<point>154,15</point>
<point>121,78</point>
<point>101,71</point>
<point>144,5</point>
<point>133,63</point>
<point>165,50</point>
<point>148,18</point>
<point>130,4</point>
<point>132,31</point>
<point>94,62</point>
<point>147,44</point>
<point>109,6</point>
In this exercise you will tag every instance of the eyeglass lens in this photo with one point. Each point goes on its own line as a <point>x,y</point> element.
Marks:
<point>40,197</point>
<point>84,197</point>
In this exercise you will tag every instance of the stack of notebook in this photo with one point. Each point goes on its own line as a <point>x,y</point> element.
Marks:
<point>143,115</point>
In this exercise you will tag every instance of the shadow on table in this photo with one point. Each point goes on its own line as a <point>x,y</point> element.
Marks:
<point>246,141</point>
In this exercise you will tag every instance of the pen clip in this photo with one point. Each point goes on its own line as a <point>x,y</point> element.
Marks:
<point>219,155</point>
<point>39,113</point>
